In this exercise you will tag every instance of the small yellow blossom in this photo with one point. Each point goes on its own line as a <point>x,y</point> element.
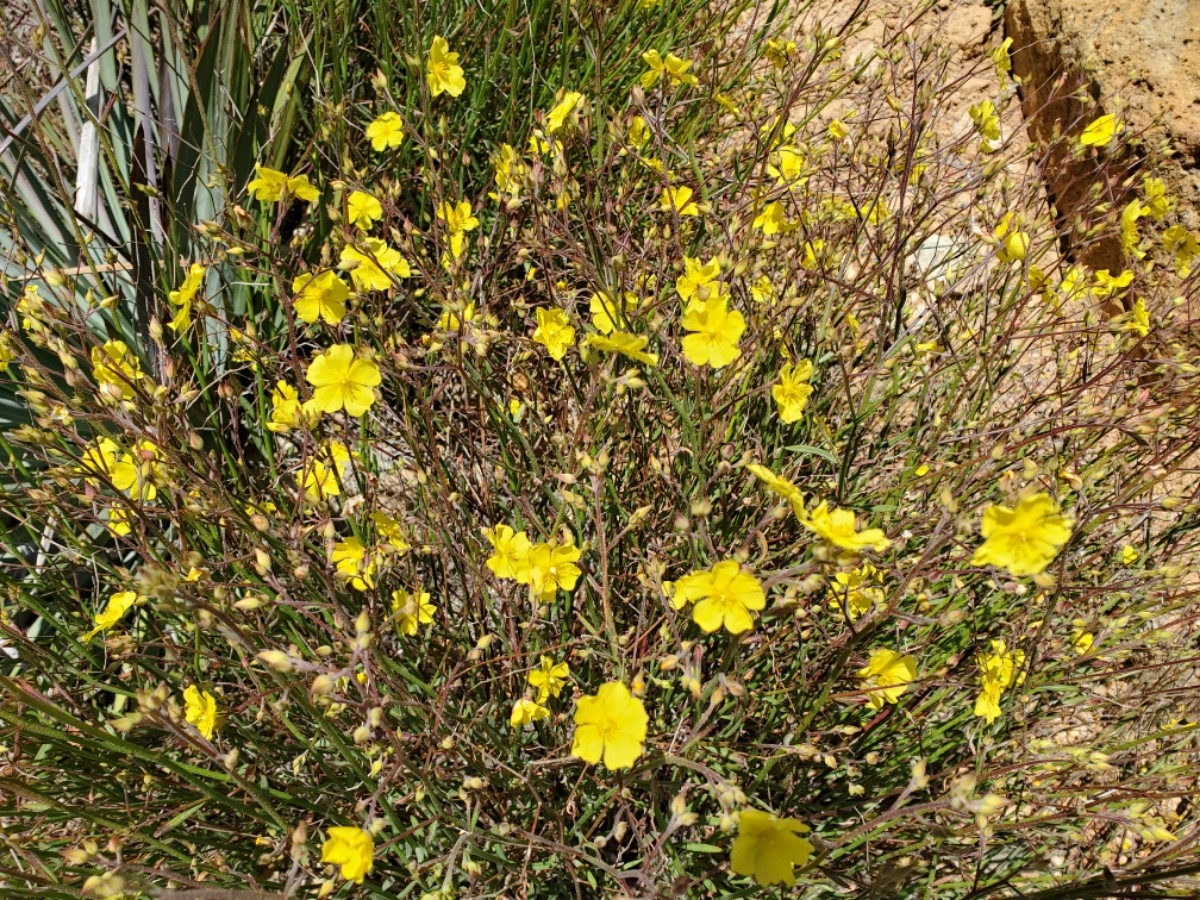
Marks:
<point>320,297</point>
<point>563,110</point>
<point>554,332</point>
<point>997,673</point>
<point>781,486</point>
<point>510,552</point>
<point>442,71</point>
<point>352,849</point>
<point>114,610</point>
<point>113,363</point>
<point>1137,319</point>
<point>363,210</point>
<point>1100,132</point>
<point>1129,555</point>
<point>343,381</point>
<point>789,171</point>
<point>526,712</point>
<point>608,314</point>
<point>372,267</point>
<point>857,592</point>
<point>887,676</point>
<point>837,527</point>
<point>1023,540</point>
<point>354,563</point>
<point>184,296</point>
<point>386,132</point>
<point>632,346</point>
<point>412,610</point>
<point>673,68</point>
<point>772,219</point>
<point>716,331</point>
<point>768,848</point>
<point>611,725</point>
<point>792,391</point>
<point>838,130</point>
<point>779,52</point>
<point>459,221</point>
<point>679,200</point>
<point>724,596</point>
<point>138,471</point>
<point>287,412</point>
<point>699,281</point>
<point>200,710</point>
<point>273,186</point>
<point>1154,192</point>
<point>549,678</point>
<point>550,568</point>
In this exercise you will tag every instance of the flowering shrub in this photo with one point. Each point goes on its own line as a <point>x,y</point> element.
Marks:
<point>605,512</point>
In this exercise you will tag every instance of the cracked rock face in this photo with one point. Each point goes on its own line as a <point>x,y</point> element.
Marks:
<point>1139,59</point>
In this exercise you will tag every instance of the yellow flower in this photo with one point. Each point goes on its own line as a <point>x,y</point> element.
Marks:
<point>1137,319</point>
<point>549,678</point>
<point>510,552</point>
<point>526,712</point>
<point>779,53</point>
<point>138,472</point>
<point>1081,639</point>
<point>442,70</point>
<point>119,519</point>
<point>771,220</point>
<point>562,111</point>
<point>458,221</point>
<point>1023,540</point>
<point>1129,555</point>
<point>386,132</point>
<point>350,848</point>
<point>114,363</point>
<point>724,596</point>
<point>1182,243</point>
<point>699,281</point>
<point>838,130</point>
<point>1002,61</point>
<point>1100,132</point>
<point>772,133</point>
<point>343,381</point>
<point>1108,284</point>
<point>363,210</point>
<point>854,593</point>
<point>412,610</point>
<point>674,68</point>
<point>763,290</point>
<point>273,186</point>
<point>1158,204</point>
<point>792,391</point>
<point>354,563</point>
<point>509,170</point>
<point>184,296</point>
<point>679,200</point>
<point>887,676</point>
<point>287,412</point>
<point>997,672</point>
<point>812,254</point>
<point>717,331</point>
<point>790,170</point>
<point>768,848</point>
<point>200,710</point>
<point>1129,228</point>
<point>391,532</point>
<point>987,122</point>
<point>837,527</point>
<point>554,332</point>
<point>114,610</point>
<point>639,132</point>
<point>370,269</point>
<point>607,313</point>
<point>548,569</point>
<point>630,345</point>
<point>320,297</point>
<point>611,726</point>
<point>1012,246</point>
<point>781,486</point>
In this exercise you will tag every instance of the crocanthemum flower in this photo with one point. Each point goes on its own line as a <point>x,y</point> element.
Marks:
<point>1023,540</point>
<point>566,106</point>
<point>352,849</point>
<point>554,332</point>
<point>442,70</point>
<point>371,268</point>
<point>549,678</point>
<point>837,527</point>
<point>273,186</point>
<point>632,346</point>
<point>768,848</point>
<point>716,330</point>
<point>114,610</point>
<point>343,381</point>
<point>363,210</point>
<point>526,712</point>
<point>723,595</point>
<point>412,609</point>
<point>610,726</point>
<point>510,552</point>
<point>792,391</point>
<point>386,132</point>
<point>200,710</point>
<point>887,676</point>
<point>184,296</point>
<point>679,200</point>
<point>321,296</point>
